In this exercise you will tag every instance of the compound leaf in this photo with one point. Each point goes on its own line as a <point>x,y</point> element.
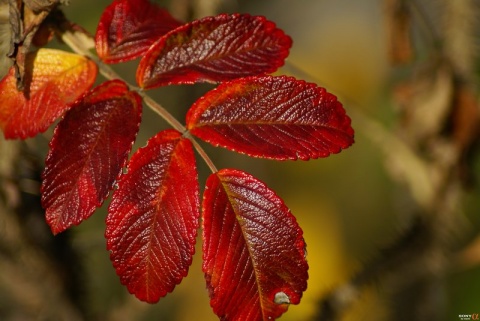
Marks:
<point>88,150</point>
<point>153,218</point>
<point>127,28</point>
<point>272,117</point>
<point>54,80</point>
<point>253,250</point>
<point>214,49</point>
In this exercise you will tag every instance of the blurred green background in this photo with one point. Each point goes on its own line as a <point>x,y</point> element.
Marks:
<point>347,204</point>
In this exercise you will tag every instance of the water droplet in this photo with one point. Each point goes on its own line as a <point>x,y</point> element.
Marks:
<point>281,298</point>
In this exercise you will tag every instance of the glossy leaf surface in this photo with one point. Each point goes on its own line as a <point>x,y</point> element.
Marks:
<point>214,49</point>
<point>253,251</point>
<point>272,117</point>
<point>57,79</point>
<point>89,148</point>
<point>153,218</point>
<point>128,28</point>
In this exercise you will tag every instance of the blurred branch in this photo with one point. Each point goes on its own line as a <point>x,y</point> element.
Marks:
<point>39,279</point>
<point>469,256</point>
<point>400,159</point>
<point>460,28</point>
<point>398,23</point>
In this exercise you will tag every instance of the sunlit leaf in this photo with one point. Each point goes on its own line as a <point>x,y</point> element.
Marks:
<point>54,79</point>
<point>214,49</point>
<point>89,148</point>
<point>128,28</point>
<point>253,251</point>
<point>153,218</point>
<point>272,117</point>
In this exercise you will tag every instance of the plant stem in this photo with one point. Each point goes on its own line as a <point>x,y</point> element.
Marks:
<point>156,107</point>
<point>82,43</point>
<point>202,153</point>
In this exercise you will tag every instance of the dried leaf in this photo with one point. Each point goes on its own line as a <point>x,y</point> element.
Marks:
<point>24,22</point>
<point>41,5</point>
<point>55,80</point>
<point>465,117</point>
<point>398,23</point>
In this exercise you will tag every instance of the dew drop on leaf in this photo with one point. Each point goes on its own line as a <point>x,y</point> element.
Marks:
<point>281,298</point>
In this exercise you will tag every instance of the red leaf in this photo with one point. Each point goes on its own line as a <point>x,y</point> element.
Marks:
<point>89,148</point>
<point>214,49</point>
<point>55,80</point>
<point>128,28</point>
<point>253,251</point>
<point>153,218</point>
<point>272,117</point>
